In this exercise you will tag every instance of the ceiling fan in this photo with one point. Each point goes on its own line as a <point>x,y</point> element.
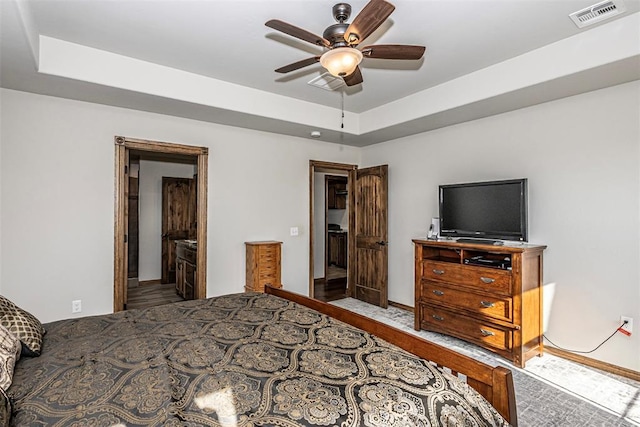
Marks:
<point>342,39</point>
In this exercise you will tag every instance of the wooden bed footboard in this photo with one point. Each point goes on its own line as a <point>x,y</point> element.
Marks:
<point>494,383</point>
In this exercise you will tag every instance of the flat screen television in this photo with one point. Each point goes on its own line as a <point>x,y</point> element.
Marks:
<point>495,210</point>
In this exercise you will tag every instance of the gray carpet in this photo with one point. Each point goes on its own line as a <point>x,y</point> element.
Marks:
<point>550,391</point>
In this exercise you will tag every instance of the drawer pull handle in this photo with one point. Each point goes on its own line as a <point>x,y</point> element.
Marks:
<point>487,279</point>
<point>487,304</point>
<point>486,333</point>
<point>439,293</point>
<point>438,272</point>
<point>440,318</point>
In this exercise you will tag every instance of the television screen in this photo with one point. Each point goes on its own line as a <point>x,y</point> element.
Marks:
<point>489,210</point>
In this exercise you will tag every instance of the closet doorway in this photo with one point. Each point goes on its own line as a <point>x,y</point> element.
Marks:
<point>331,222</point>
<point>366,210</point>
<point>127,149</point>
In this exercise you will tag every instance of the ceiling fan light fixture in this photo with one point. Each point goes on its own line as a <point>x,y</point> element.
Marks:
<point>341,61</point>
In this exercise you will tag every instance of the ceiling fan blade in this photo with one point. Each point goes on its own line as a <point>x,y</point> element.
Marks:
<point>294,31</point>
<point>298,65</point>
<point>393,51</point>
<point>368,20</point>
<point>353,78</point>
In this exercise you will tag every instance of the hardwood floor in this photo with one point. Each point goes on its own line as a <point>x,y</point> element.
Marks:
<point>333,287</point>
<point>145,296</point>
<point>335,272</point>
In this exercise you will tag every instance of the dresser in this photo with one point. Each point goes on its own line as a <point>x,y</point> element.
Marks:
<point>337,244</point>
<point>485,294</point>
<point>263,265</point>
<point>186,262</point>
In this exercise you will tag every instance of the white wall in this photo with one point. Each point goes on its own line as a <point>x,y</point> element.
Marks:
<point>150,191</point>
<point>57,217</point>
<point>1,117</point>
<point>582,159</point>
<point>338,216</point>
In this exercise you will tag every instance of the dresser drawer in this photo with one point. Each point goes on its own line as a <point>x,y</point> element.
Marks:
<point>494,306</point>
<point>268,253</point>
<point>481,278</point>
<point>483,333</point>
<point>267,274</point>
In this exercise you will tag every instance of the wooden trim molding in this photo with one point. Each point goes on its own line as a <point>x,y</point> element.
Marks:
<point>593,363</point>
<point>351,240</point>
<point>201,217</point>
<point>401,306</point>
<point>120,227</point>
<point>122,147</point>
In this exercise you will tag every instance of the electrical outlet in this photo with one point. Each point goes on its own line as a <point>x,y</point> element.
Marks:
<point>76,306</point>
<point>629,326</point>
<point>294,231</point>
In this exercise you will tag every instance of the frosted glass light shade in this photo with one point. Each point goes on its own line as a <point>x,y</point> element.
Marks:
<point>341,61</point>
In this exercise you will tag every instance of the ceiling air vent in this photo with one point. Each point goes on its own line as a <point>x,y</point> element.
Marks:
<point>597,13</point>
<point>327,82</point>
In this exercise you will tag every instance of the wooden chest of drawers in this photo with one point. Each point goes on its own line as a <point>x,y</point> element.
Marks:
<point>499,309</point>
<point>186,262</point>
<point>263,265</point>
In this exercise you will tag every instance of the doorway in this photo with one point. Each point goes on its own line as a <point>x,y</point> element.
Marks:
<point>125,150</point>
<point>330,220</point>
<point>365,203</point>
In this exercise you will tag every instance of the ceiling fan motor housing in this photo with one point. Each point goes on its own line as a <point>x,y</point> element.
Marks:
<point>341,12</point>
<point>335,34</point>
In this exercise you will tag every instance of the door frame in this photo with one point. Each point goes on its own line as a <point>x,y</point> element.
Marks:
<point>123,145</point>
<point>329,167</point>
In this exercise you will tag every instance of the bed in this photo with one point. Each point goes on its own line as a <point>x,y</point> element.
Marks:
<point>252,359</point>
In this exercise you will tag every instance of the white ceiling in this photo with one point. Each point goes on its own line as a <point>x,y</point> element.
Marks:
<point>228,41</point>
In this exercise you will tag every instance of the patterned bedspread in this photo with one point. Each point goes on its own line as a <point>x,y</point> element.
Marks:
<point>236,360</point>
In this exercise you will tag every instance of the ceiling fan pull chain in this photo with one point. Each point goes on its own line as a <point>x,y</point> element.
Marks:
<point>342,108</point>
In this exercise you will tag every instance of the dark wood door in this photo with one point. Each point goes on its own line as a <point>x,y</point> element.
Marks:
<point>176,221</point>
<point>133,220</point>
<point>193,211</point>
<point>371,255</point>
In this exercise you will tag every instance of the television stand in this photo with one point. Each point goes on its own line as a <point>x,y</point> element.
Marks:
<point>485,294</point>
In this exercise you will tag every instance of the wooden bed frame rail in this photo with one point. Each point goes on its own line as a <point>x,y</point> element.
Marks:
<point>494,383</point>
